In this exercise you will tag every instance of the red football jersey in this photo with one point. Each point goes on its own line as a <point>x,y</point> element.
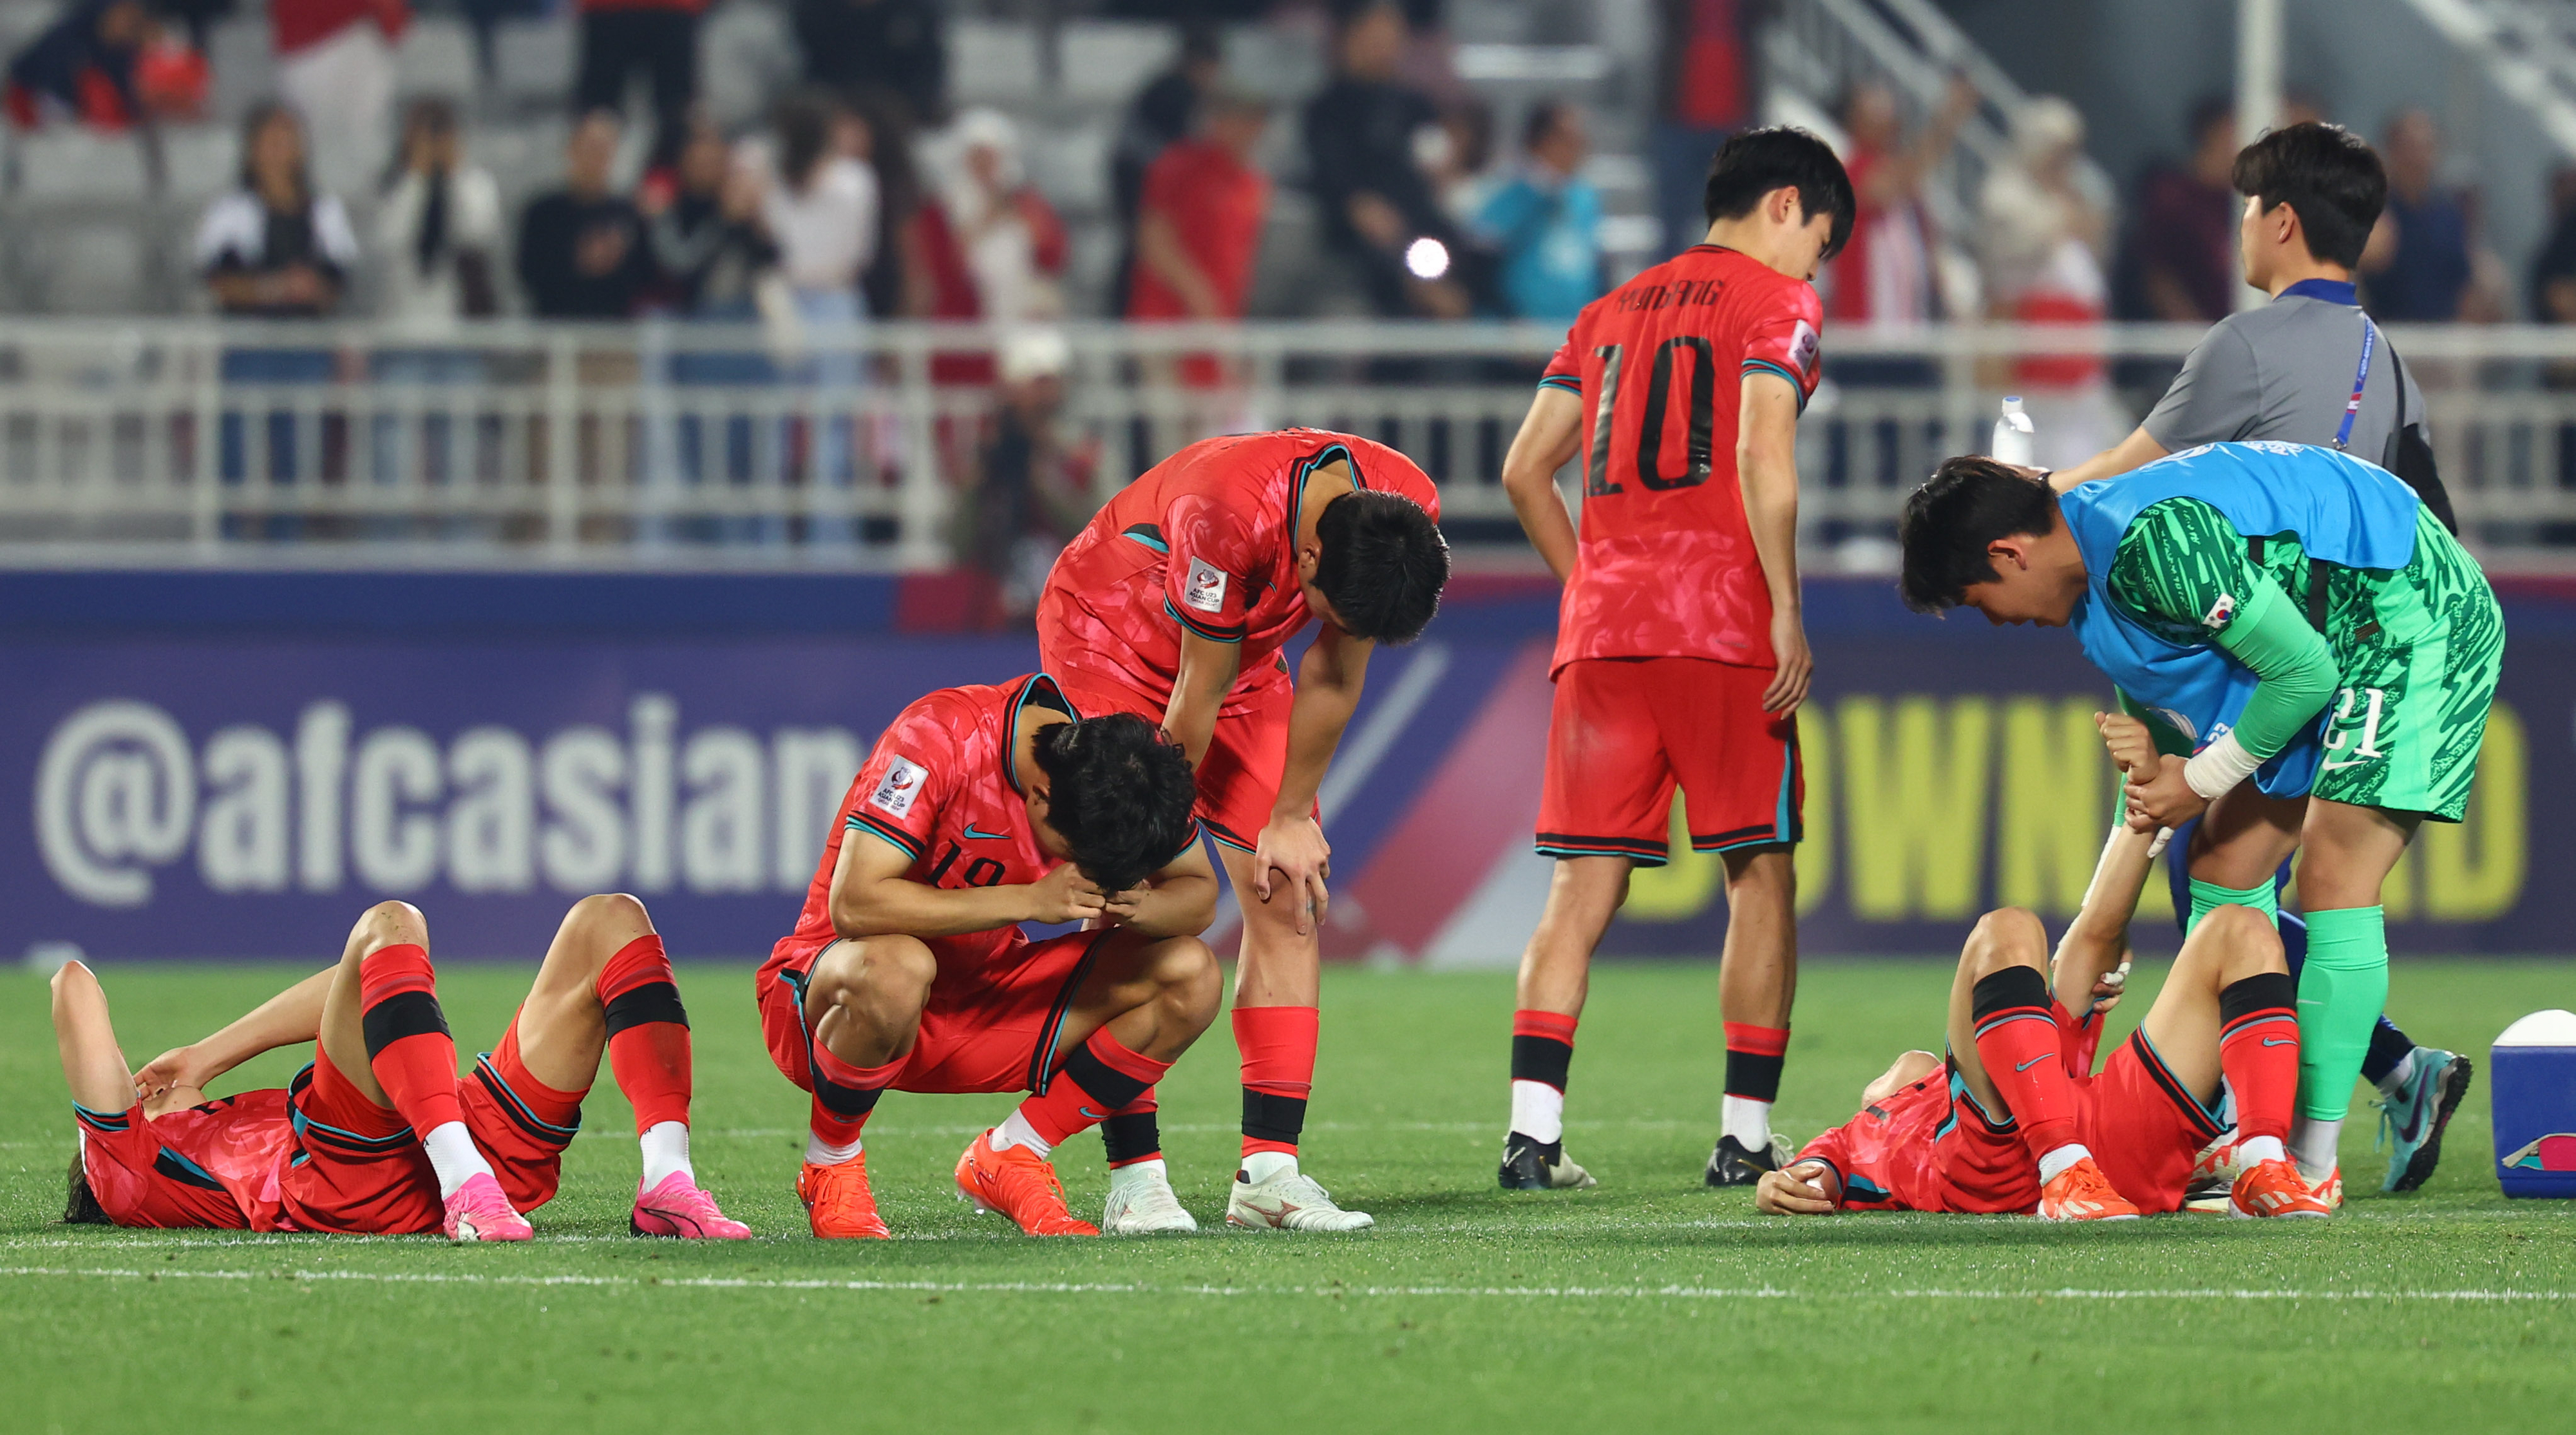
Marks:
<point>940,785</point>
<point>1205,540</point>
<point>214,1164</point>
<point>1666,567</point>
<point>1885,1155</point>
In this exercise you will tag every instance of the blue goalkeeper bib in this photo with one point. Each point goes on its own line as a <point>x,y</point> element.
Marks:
<point>2341,509</point>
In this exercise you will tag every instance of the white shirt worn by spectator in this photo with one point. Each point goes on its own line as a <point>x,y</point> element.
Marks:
<point>235,228</point>
<point>826,232</point>
<point>435,297</point>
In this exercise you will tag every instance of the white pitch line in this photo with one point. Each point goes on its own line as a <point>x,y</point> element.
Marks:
<point>1668,1292</point>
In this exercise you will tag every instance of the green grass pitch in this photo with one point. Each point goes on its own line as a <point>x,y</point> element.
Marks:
<point>1647,1304</point>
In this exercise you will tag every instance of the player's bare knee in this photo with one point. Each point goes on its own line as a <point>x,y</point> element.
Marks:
<point>2238,941</point>
<point>388,924</point>
<point>70,981</point>
<point>1192,984</point>
<point>2006,937</point>
<point>884,970</point>
<point>611,918</point>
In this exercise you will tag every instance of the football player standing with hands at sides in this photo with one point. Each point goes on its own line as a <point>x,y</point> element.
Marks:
<point>1681,655</point>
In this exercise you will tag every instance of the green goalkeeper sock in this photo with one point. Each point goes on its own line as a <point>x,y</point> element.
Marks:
<point>2342,990</point>
<point>2265,899</point>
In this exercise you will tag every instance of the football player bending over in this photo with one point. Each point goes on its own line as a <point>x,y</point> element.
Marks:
<point>378,1135</point>
<point>982,808</point>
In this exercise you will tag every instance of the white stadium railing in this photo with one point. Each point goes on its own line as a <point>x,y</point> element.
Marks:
<point>696,445</point>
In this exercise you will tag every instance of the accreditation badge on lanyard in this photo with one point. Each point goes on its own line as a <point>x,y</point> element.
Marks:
<point>2360,380</point>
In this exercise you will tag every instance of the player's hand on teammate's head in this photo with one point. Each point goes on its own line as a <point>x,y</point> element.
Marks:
<point>2132,748</point>
<point>1065,895</point>
<point>1803,1188</point>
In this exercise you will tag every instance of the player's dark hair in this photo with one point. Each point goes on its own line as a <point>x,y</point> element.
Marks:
<point>2328,176</point>
<point>1757,162</point>
<point>1970,502</point>
<point>82,1208</point>
<point>1383,565</point>
<point>1119,794</point>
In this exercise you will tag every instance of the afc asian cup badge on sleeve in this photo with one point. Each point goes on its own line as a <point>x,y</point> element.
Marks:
<point>897,789</point>
<point>1205,590</point>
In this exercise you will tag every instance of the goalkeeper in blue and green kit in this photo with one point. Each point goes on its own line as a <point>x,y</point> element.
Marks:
<point>2304,626</point>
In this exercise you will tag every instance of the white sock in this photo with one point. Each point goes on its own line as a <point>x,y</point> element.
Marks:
<point>1747,1120</point>
<point>1538,1111</point>
<point>2255,1150</point>
<point>2059,1159</point>
<point>1137,1173</point>
<point>1016,1131</point>
<point>2398,1075</point>
<point>819,1152</point>
<point>666,1149</point>
<point>1260,1166</point>
<point>2313,1142</point>
<point>452,1155</point>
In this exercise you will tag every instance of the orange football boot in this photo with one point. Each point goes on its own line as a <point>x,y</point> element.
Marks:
<point>2082,1193</point>
<point>1020,1184</point>
<point>838,1202</point>
<point>2274,1188</point>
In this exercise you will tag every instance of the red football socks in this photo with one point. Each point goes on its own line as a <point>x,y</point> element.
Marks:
<point>408,1048</point>
<point>2017,1043</point>
<point>845,1094</point>
<point>2258,1048</point>
<point>1278,1047</point>
<point>1753,1058</point>
<point>648,1032</point>
<point>1100,1078</point>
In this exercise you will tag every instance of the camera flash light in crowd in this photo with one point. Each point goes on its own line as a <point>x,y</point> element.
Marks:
<point>1427,257</point>
<point>2016,440</point>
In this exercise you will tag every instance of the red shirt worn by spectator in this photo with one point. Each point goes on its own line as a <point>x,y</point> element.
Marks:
<point>303,24</point>
<point>1216,205</point>
<point>951,280</point>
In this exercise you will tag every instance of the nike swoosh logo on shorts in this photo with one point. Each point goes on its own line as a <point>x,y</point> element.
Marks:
<point>2027,1065</point>
<point>971,832</point>
<point>2267,1041</point>
<point>1090,1115</point>
<point>2347,762</point>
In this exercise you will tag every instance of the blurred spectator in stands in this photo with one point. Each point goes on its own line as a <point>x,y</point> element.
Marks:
<point>1163,113</point>
<point>439,223</point>
<point>1031,486</point>
<point>1546,222</point>
<point>887,121</point>
<point>898,47</point>
<point>1364,132</point>
<point>581,248</point>
<point>2553,271</point>
<point>106,64</point>
<point>711,245</point>
<point>659,39</point>
<point>275,247</point>
<point>822,213</point>
<point>335,65</point>
<point>1459,158</point>
<point>2422,265</point>
<point>990,246</point>
<point>2181,262</point>
<point>197,18</point>
<point>2041,234</point>
<point>1885,274</point>
<point>1200,228</point>
<point>1707,86</point>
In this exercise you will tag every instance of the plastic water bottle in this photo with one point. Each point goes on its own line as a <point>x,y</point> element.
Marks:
<point>2016,441</point>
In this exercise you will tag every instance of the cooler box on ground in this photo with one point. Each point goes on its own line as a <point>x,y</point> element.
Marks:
<point>2532,1085</point>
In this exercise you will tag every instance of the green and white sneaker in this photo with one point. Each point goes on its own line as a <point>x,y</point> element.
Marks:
<point>2412,1118</point>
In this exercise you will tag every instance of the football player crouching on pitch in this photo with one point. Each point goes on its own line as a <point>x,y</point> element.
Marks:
<point>378,1135</point>
<point>2016,1120</point>
<point>982,808</point>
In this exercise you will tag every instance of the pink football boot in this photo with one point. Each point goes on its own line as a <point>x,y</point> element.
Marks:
<point>479,1212</point>
<point>677,1207</point>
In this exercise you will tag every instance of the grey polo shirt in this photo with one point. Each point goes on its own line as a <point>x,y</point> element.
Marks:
<point>2284,372</point>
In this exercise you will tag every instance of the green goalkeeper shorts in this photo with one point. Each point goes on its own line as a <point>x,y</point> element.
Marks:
<point>2419,650</point>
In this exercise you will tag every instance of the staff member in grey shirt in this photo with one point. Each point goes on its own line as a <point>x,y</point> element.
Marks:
<point>2291,371</point>
<point>2286,371</point>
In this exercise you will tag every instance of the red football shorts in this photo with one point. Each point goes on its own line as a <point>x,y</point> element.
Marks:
<point>161,1172</point>
<point>359,1169</point>
<point>2142,1124</point>
<point>1624,731</point>
<point>1247,754</point>
<point>994,1026</point>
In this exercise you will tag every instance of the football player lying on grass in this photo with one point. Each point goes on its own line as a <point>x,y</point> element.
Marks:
<point>2017,1121</point>
<point>377,1135</point>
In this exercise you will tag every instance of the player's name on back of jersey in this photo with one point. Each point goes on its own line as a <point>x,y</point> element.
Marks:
<point>1637,298</point>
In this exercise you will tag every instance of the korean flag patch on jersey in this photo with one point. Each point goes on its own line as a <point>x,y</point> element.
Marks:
<point>1206,588</point>
<point>897,789</point>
